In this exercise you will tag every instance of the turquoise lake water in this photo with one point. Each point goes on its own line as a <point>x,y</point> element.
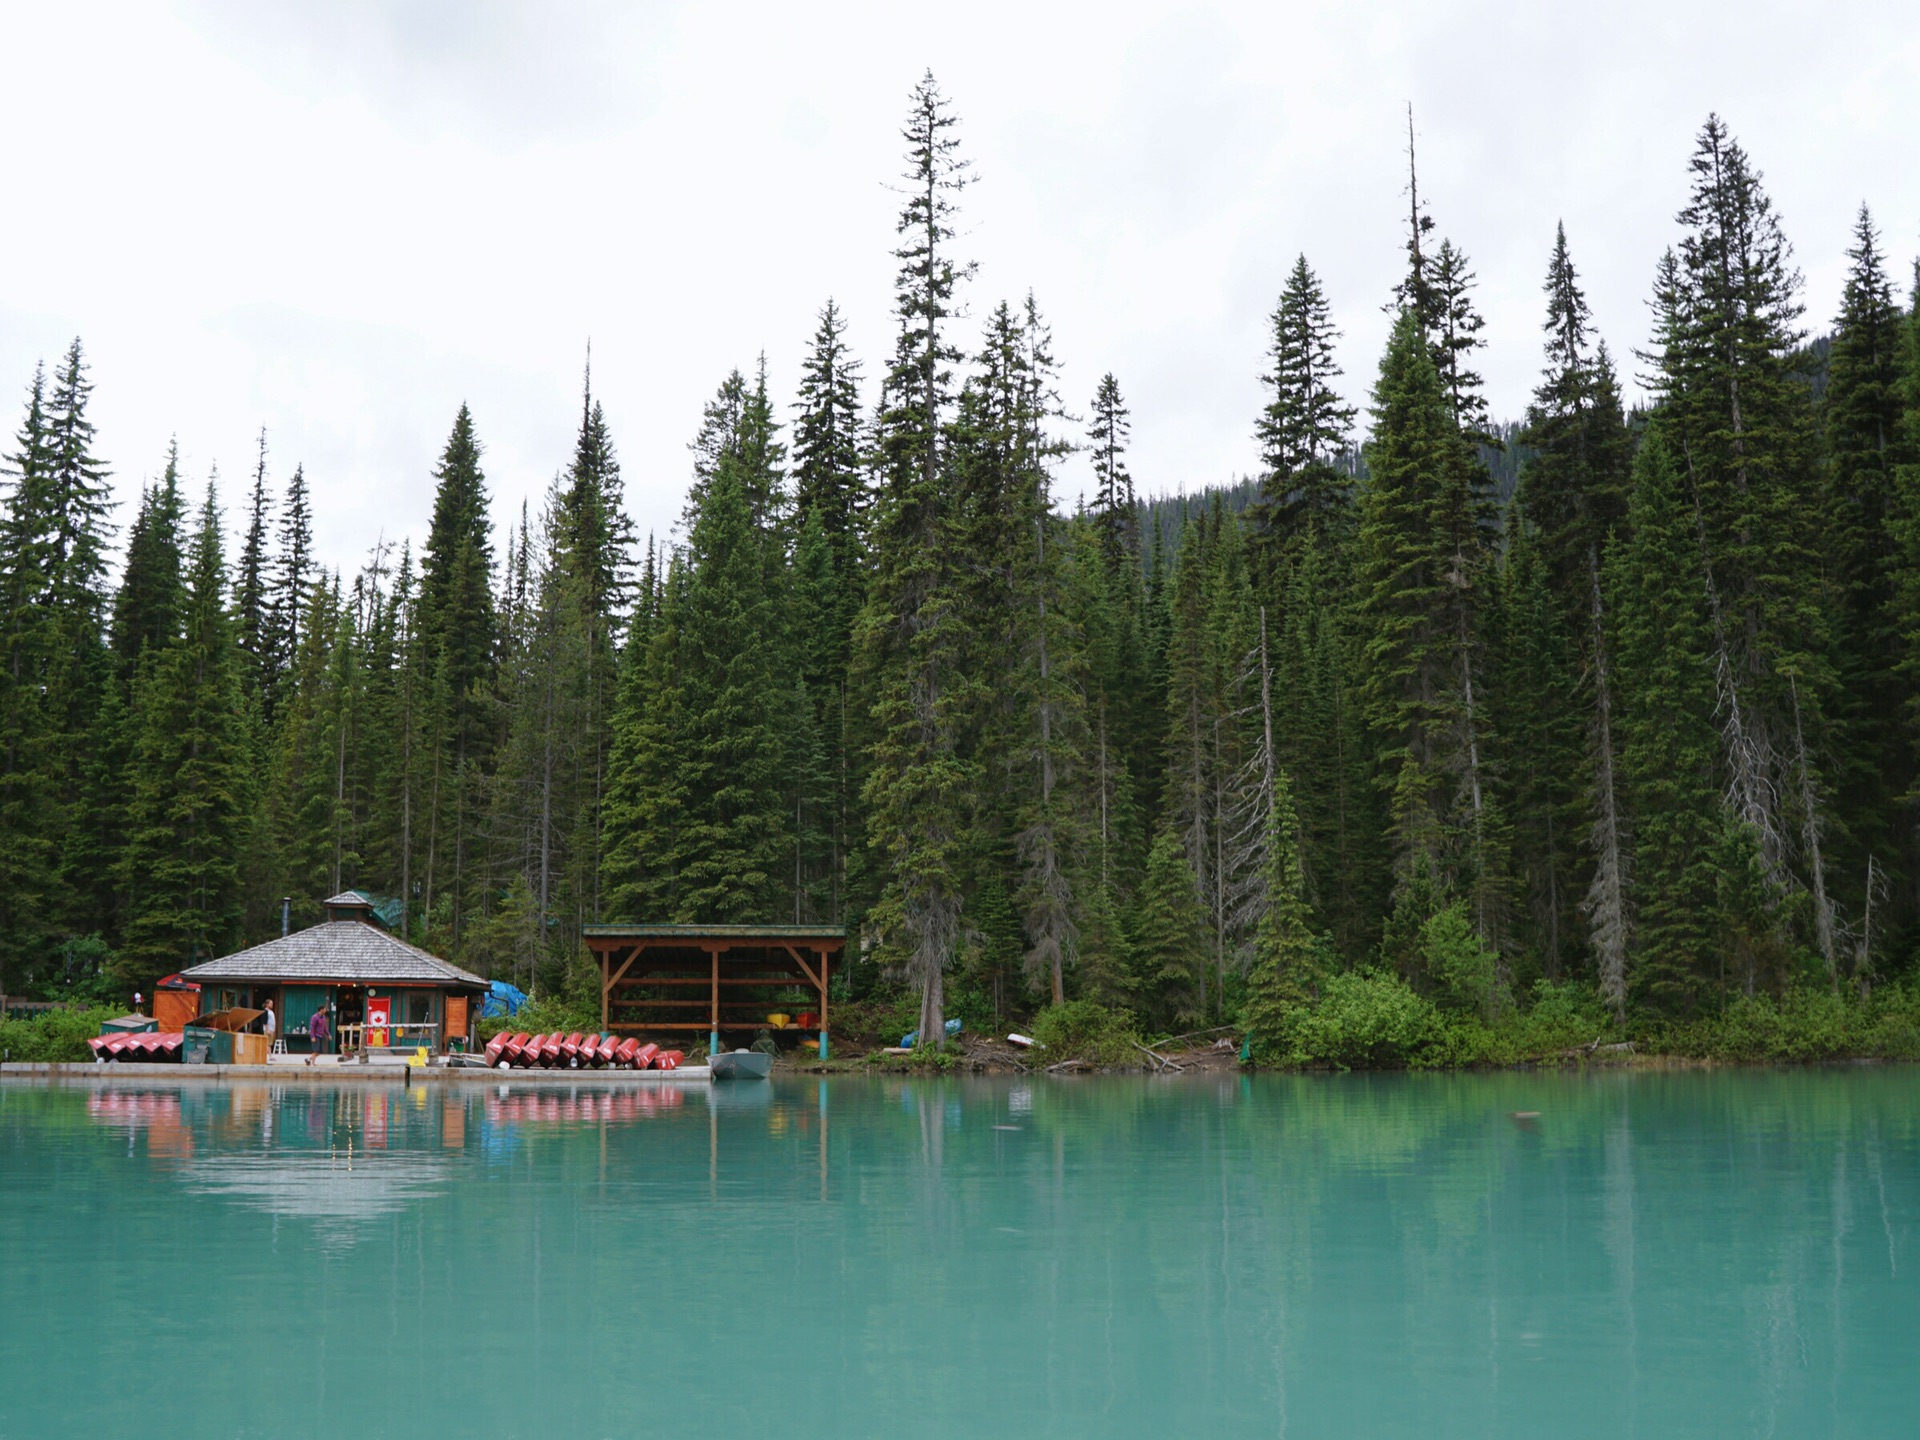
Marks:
<point>1687,1254</point>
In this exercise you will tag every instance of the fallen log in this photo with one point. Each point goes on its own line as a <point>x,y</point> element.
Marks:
<point>1161,1060</point>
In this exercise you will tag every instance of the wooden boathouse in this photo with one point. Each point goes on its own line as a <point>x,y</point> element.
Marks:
<point>713,977</point>
<point>382,993</point>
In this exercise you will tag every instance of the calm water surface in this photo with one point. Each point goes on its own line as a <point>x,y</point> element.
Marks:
<point>1684,1254</point>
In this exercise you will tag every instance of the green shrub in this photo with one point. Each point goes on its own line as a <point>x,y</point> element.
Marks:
<point>1891,1023</point>
<point>882,1018</point>
<point>1560,1016</point>
<point>1367,1020</point>
<point>546,1015</point>
<point>57,1035</point>
<point>1803,1025</point>
<point>1086,1030</point>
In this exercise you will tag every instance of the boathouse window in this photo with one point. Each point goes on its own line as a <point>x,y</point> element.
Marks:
<point>419,1009</point>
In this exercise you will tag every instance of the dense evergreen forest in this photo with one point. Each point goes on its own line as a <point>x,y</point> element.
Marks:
<point>1609,698</point>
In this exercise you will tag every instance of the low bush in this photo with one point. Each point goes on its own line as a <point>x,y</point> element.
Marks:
<point>1366,1020</point>
<point>1374,1020</point>
<point>1802,1025</point>
<point>56,1035</point>
<point>1086,1030</point>
<point>875,1019</point>
<point>544,1016</point>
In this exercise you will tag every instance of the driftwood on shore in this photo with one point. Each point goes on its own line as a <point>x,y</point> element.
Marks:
<point>1163,1062</point>
<point>1594,1047</point>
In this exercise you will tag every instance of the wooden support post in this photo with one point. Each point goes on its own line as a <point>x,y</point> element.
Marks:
<point>823,1029</point>
<point>713,1039</point>
<point>604,987</point>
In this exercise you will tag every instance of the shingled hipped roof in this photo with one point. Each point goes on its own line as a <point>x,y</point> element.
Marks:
<point>338,952</point>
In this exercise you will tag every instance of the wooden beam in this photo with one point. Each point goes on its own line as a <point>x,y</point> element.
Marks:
<point>607,989</point>
<point>823,1025</point>
<point>752,982</point>
<point>807,970</point>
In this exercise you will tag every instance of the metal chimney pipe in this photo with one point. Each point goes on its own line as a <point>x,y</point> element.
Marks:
<point>286,915</point>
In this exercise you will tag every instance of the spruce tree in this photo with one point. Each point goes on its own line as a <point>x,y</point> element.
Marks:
<point>1113,505</point>
<point>189,794</point>
<point>650,791</point>
<point>458,634</point>
<point>1866,445</point>
<point>1539,753</point>
<point>1740,422</point>
<point>29,734</point>
<point>1286,959</point>
<point>829,441</point>
<point>1304,430</point>
<point>290,579</point>
<point>736,839</point>
<point>1453,337</point>
<point>1169,938</point>
<point>1572,497</point>
<point>147,608</point>
<point>252,599</point>
<point>912,630</point>
<point>62,504</point>
<point>1410,690</point>
<point>1669,760</point>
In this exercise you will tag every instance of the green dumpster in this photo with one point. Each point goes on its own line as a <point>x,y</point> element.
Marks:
<point>130,1025</point>
<point>201,1046</point>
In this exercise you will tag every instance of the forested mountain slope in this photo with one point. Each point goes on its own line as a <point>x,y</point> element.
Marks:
<point>1627,701</point>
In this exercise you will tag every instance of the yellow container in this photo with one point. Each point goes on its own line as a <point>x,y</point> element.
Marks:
<point>779,1022</point>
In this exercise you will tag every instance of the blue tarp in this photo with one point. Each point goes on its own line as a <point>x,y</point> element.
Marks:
<point>502,1000</point>
<point>912,1037</point>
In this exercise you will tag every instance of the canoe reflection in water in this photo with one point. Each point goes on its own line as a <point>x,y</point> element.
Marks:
<point>506,1107</point>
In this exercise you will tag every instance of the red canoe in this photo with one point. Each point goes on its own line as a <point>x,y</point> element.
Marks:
<point>515,1050</point>
<point>570,1049</point>
<point>623,1052</point>
<point>643,1057</point>
<point>495,1046</point>
<point>603,1052</point>
<point>550,1049</point>
<point>668,1060</point>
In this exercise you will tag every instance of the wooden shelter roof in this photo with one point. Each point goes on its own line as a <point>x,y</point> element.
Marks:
<point>700,935</point>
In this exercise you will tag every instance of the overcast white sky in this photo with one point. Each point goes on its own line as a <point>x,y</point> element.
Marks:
<point>340,220</point>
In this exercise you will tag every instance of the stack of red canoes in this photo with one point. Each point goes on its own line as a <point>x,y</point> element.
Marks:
<point>576,1051</point>
<point>154,1045</point>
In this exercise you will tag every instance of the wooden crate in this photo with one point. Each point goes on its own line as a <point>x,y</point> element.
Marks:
<point>250,1049</point>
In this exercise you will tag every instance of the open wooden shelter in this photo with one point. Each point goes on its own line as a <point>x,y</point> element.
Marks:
<point>711,977</point>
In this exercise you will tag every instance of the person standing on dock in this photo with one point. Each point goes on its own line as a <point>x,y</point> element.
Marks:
<point>319,1032</point>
